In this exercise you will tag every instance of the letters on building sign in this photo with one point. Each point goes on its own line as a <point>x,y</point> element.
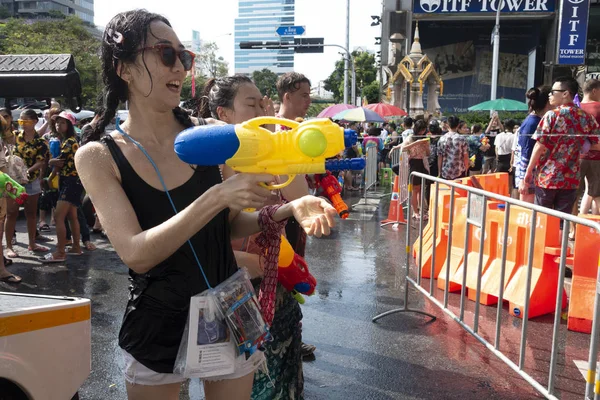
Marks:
<point>481,6</point>
<point>573,32</point>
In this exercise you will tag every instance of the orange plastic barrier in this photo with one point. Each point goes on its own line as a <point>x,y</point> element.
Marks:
<point>496,183</point>
<point>396,213</point>
<point>441,245</point>
<point>544,276</point>
<point>457,247</point>
<point>490,244</point>
<point>586,262</point>
<point>515,255</point>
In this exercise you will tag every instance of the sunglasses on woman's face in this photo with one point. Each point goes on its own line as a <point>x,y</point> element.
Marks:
<point>168,55</point>
<point>26,122</point>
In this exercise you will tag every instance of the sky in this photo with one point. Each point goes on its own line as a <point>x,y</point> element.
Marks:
<point>322,18</point>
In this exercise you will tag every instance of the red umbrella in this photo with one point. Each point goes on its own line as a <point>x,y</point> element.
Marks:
<point>386,110</point>
<point>334,109</point>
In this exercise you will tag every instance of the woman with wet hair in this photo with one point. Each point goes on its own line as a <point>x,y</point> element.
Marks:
<point>34,152</point>
<point>136,180</point>
<point>236,99</point>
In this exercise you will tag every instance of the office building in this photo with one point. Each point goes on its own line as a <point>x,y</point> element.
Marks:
<point>257,21</point>
<point>83,9</point>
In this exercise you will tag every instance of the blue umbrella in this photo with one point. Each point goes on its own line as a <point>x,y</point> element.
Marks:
<point>360,114</point>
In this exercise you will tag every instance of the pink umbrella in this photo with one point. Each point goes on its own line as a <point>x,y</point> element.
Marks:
<point>386,110</point>
<point>330,111</point>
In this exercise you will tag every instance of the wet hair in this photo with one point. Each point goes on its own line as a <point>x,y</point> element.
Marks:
<point>420,127</point>
<point>590,85</point>
<point>408,122</point>
<point>537,98</point>
<point>289,83</point>
<point>476,128</point>
<point>374,131</point>
<point>453,122</point>
<point>31,114</point>
<point>434,127</point>
<point>220,92</point>
<point>509,125</point>
<point>123,36</point>
<point>70,129</point>
<point>569,84</point>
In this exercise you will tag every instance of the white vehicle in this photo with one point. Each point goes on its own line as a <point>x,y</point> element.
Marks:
<point>45,346</point>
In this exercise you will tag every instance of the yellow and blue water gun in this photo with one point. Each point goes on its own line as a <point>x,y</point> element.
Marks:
<point>250,148</point>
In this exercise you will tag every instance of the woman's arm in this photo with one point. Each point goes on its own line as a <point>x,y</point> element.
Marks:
<point>314,214</point>
<point>142,250</point>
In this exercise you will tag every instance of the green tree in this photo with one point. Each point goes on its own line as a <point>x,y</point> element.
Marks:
<point>335,82</point>
<point>56,14</point>
<point>211,65</point>
<point>186,87</point>
<point>371,92</point>
<point>366,73</point>
<point>266,81</point>
<point>68,35</point>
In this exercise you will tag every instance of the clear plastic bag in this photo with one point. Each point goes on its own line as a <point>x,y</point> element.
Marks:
<point>223,323</point>
<point>239,306</point>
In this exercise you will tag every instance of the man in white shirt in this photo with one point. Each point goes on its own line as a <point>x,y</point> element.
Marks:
<point>504,144</point>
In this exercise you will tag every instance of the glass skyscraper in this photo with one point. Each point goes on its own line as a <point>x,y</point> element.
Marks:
<point>257,21</point>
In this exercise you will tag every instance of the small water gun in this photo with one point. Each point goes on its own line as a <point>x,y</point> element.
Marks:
<point>250,148</point>
<point>333,191</point>
<point>293,272</point>
<point>12,188</point>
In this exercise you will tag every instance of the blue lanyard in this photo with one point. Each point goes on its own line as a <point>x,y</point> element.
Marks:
<point>139,146</point>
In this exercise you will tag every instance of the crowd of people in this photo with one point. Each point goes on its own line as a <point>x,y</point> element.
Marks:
<point>39,155</point>
<point>551,157</point>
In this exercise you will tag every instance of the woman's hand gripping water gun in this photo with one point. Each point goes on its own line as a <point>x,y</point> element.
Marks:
<point>293,272</point>
<point>250,148</point>
<point>12,188</point>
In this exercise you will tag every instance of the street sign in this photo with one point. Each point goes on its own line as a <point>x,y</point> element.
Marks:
<point>308,45</point>
<point>290,30</point>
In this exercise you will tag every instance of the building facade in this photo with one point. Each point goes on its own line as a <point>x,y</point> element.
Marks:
<point>83,9</point>
<point>257,21</point>
<point>539,40</point>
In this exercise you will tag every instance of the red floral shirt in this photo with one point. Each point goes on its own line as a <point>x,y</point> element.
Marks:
<point>561,132</point>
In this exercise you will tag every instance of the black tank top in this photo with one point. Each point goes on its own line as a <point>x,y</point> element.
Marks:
<point>158,305</point>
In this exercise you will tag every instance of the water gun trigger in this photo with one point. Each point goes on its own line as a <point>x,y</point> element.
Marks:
<point>280,185</point>
<point>259,121</point>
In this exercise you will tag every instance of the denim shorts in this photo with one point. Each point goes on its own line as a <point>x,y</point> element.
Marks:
<point>33,188</point>
<point>70,190</point>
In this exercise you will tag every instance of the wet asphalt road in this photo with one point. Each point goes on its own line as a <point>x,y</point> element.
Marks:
<point>359,269</point>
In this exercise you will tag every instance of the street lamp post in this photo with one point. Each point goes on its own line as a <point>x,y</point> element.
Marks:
<point>346,62</point>
<point>496,51</point>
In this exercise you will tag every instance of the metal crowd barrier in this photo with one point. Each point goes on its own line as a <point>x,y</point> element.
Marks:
<point>401,159</point>
<point>369,179</point>
<point>476,217</point>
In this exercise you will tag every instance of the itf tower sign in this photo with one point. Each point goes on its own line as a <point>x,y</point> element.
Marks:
<point>481,6</point>
<point>572,28</point>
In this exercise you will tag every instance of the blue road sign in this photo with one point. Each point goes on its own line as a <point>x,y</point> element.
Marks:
<point>290,30</point>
